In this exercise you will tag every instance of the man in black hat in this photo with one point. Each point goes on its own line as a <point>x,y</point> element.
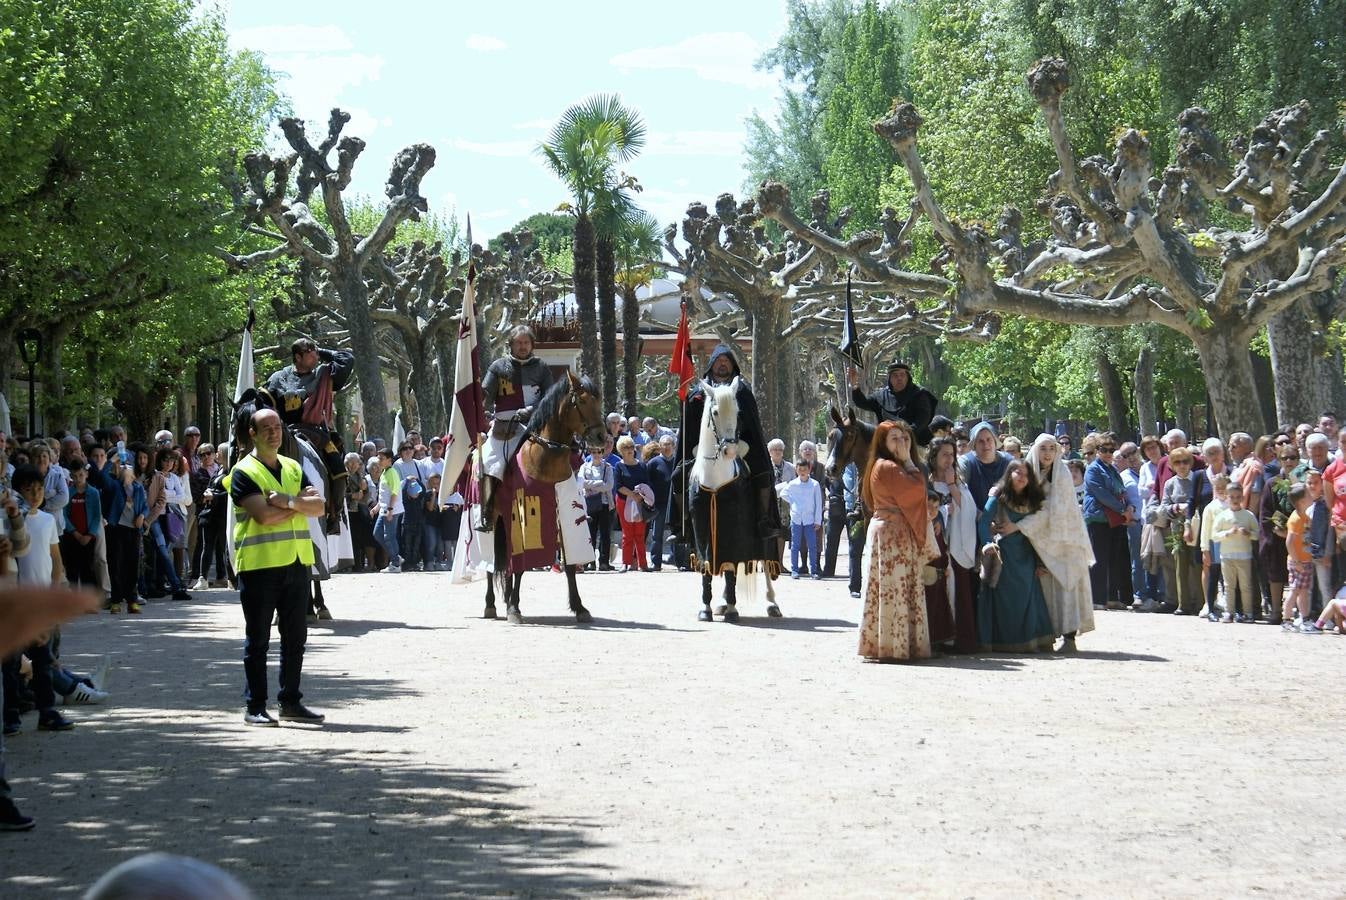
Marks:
<point>901,398</point>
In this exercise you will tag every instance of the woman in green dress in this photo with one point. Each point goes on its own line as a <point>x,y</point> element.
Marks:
<point>1012,616</point>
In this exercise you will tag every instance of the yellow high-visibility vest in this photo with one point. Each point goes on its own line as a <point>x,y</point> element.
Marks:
<point>258,546</point>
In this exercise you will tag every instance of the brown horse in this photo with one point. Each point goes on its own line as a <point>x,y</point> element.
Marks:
<point>848,442</point>
<point>569,416</point>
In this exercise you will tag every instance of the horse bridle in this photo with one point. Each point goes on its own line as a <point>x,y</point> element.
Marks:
<point>557,446</point>
<point>720,442</point>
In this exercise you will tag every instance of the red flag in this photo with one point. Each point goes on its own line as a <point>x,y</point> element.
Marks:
<point>681,363</point>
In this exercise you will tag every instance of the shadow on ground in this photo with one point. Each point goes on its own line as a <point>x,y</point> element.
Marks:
<point>289,820</point>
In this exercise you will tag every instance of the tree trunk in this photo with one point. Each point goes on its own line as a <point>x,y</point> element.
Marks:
<point>355,303</point>
<point>447,372</point>
<point>205,412</point>
<point>772,374</point>
<point>1114,395</point>
<point>18,419</point>
<point>1266,400</point>
<point>55,406</point>
<point>584,297</point>
<point>1229,378</point>
<point>630,351</point>
<point>1293,359</point>
<point>605,273</point>
<point>1147,416</point>
<point>429,398</point>
<point>141,408</point>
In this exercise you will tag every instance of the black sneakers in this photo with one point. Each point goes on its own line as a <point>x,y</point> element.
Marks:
<point>298,712</point>
<point>13,820</point>
<point>51,720</point>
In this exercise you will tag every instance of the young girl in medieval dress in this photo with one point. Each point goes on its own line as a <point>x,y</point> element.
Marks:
<point>1012,615</point>
<point>960,533</point>
<point>899,542</point>
<point>1061,542</point>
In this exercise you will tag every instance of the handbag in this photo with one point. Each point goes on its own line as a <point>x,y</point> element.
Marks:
<point>631,512</point>
<point>173,525</point>
<point>1115,519</point>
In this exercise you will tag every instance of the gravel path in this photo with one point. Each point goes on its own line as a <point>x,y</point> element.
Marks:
<point>652,754</point>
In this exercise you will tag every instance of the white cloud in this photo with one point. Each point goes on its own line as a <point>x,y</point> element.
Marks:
<point>494,148</point>
<point>525,203</point>
<point>533,125</point>
<point>319,66</point>
<point>725,56</point>
<point>484,43</point>
<point>694,143</point>
<point>293,39</point>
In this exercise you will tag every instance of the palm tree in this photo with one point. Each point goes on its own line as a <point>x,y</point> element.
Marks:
<point>583,149</point>
<point>638,245</point>
<point>614,211</point>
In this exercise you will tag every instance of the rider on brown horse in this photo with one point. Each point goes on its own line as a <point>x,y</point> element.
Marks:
<point>512,386</point>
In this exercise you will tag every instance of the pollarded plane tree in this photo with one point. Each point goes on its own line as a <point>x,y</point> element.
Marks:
<point>791,295</point>
<point>1129,248</point>
<point>514,286</point>
<point>886,322</point>
<point>331,246</point>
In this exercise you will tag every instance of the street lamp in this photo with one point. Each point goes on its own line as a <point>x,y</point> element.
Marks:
<point>214,374</point>
<point>30,349</point>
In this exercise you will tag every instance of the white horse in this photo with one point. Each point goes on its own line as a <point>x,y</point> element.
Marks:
<point>717,463</point>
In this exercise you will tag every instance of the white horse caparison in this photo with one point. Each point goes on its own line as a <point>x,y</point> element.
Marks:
<point>717,453</point>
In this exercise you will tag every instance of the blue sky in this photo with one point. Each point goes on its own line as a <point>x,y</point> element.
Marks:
<point>483,83</point>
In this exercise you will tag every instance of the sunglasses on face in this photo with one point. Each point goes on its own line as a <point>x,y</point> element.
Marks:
<point>1107,449</point>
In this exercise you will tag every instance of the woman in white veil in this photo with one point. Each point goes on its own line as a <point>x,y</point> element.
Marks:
<point>1058,534</point>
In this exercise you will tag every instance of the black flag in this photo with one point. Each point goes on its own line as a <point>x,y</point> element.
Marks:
<point>850,338</point>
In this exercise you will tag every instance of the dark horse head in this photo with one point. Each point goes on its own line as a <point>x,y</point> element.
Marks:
<point>848,442</point>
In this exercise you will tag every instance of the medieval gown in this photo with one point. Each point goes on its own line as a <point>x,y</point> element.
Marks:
<point>899,542</point>
<point>1061,541</point>
<point>1012,615</point>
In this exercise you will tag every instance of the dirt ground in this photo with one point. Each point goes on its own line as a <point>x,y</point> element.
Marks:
<point>651,754</point>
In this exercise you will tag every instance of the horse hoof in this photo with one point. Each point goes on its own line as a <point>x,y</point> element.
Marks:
<point>582,616</point>
<point>514,616</point>
<point>490,613</point>
<point>773,611</point>
<point>721,609</point>
<point>704,615</point>
<point>730,614</point>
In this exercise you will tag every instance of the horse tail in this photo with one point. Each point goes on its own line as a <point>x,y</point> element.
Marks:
<point>502,561</point>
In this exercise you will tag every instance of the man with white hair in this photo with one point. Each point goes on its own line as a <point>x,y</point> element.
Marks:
<point>638,436</point>
<point>1318,449</point>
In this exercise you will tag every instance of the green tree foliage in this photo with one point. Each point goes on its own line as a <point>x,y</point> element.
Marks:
<point>552,234</point>
<point>871,52</point>
<point>117,115</point>
<point>791,149</point>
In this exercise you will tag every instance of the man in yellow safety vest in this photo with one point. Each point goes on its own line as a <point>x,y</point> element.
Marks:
<point>273,551</point>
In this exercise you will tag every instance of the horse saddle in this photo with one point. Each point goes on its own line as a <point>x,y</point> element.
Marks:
<point>504,428</point>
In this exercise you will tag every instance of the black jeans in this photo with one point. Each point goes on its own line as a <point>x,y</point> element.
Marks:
<point>1110,575</point>
<point>123,560</point>
<point>600,535</point>
<point>855,548</point>
<point>413,522</point>
<point>836,524</point>
<point>44,696</point>
<point>264,593</point>
<point>78,560</point>
<point>209,542</point>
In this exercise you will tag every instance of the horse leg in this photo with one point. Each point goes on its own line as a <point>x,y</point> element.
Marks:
<point>576,605</point>
<point>490,597</point>
<point>704,615</point>
<point>512,604</point>
<point>772,609</point>
<point>320,603</point>
<point>730,597</point>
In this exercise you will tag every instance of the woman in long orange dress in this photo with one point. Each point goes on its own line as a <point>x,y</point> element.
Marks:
<point>898,544</point>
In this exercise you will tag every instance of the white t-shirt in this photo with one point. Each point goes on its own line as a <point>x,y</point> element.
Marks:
<point>35,565</point>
